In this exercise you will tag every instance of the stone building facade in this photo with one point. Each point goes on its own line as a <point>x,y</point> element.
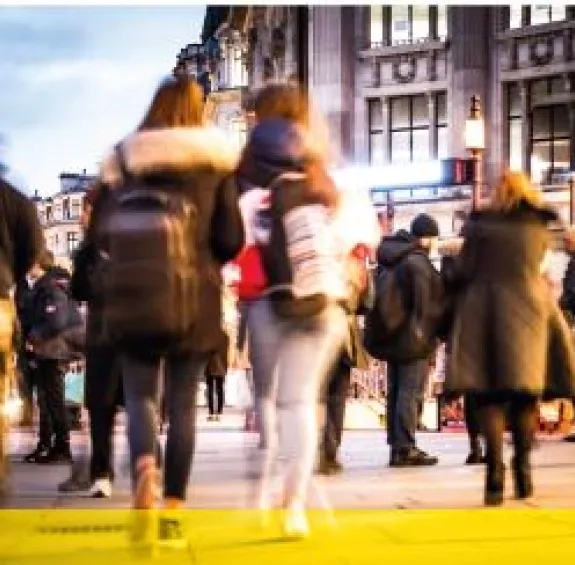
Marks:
<point>60,215</point>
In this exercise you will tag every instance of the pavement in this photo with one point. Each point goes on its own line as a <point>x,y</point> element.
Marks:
<point>432,514</point>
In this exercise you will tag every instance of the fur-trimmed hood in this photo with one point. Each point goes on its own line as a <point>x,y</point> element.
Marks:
<point>175,150</point>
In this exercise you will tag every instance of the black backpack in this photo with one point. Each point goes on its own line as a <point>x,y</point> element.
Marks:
<point>387,314</point>
<point>148,264</point>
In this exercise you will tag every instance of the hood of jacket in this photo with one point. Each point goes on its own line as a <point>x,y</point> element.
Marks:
<point>172,150</point>
<point>274,147</point>
<point>394,248</point>
<point>55,276</point>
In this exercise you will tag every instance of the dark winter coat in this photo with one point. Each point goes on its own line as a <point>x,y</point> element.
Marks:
<point>508,334</point>
<point>56,329</point>
<point>199,163</point>
<point>21,239</point>
<point>422,295</point>
<point>102,377</point>
<point>218,361</point>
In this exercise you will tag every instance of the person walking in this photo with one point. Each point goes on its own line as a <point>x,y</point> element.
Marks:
<point>21,242</point>
<point>336,388</point>
<point>172,182</point>
<point>103,388</point>
<point>510,345</point>
<point>215,379</point>
<point>294,338</point>
<point>408,351</point>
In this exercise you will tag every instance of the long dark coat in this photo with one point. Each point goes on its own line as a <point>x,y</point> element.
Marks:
<point>102,377</point>
<point>508,334</point>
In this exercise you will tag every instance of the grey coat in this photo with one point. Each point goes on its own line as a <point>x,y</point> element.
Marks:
<point>508,334</point>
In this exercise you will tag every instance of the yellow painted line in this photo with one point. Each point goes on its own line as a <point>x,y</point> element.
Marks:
<point>238,537</point>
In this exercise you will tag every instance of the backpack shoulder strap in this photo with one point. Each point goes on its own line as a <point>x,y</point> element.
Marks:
<point>291,176</point>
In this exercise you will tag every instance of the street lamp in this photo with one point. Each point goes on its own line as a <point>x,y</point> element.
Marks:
<point>475,144</point>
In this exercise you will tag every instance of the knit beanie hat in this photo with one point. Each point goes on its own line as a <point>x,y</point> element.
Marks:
<point>424,225</point>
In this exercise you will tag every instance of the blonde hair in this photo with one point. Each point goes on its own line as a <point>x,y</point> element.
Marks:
<point>512,189</point>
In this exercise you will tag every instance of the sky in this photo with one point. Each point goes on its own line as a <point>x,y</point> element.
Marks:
<point>75,80</point>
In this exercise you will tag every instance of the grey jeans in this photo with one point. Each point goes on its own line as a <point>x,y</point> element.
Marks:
<point>142,383</point>
<point>291,360</point>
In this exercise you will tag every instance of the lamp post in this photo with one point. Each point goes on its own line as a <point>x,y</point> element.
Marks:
<point>475,144</point>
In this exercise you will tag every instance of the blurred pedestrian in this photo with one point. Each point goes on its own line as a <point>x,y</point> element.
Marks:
<point>336,387</point>
<point>294,338</point>
<point>21,242</point>
<point>215,379</point>
<point>171,182</point>
<point>510,344</point>
<point>104,393</point>
<point>53,312</point>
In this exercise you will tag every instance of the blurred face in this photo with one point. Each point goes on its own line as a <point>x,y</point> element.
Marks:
<point>35,272</point>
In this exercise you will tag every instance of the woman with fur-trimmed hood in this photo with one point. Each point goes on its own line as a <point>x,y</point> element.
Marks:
<point>172,150</point>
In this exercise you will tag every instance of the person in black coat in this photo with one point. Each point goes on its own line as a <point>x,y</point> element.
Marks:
<point>510,344</point>
<point>103,393</point>
<point>215,379</point>
<point>21,242</point>
<point>409,350</point>
<point>49,314</point>
<point>172,149</point>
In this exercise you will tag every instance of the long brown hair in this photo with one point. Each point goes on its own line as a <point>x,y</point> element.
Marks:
<point>284,101</point>
<point>178,102</point>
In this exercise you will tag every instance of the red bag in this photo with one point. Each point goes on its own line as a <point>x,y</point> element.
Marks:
<point>253,280</point>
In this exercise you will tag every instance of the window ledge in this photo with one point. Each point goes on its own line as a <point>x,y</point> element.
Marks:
<point>529,31</point>
<point>391,50</point>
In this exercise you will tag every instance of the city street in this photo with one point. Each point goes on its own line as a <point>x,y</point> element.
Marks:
<point>434,512</point>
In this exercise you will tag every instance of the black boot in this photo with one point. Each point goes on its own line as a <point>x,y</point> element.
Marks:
<point>494,485</point>
<point>475,456</point>
<point>523,481</point>
<point>59,453</point>
<point>41,450</point>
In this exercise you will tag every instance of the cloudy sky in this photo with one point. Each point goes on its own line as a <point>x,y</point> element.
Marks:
<point>74,80</point>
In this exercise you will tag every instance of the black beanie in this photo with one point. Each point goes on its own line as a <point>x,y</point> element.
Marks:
<point>424,225</point>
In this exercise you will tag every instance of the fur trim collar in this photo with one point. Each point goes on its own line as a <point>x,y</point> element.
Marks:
<point>174,149</point>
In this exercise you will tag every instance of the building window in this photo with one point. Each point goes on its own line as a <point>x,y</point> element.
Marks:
<point>409,24</point>
<point>442,22</point>
<point>441,124</point>
<point>514,127</point>
<point>48,213</point>
<point>376,26</point>
<point>550,134</point>
<point>72,241</point>
<point>76,209</point>
<point>536,15</point>
<point>376,132</point>
<point>409,130</point>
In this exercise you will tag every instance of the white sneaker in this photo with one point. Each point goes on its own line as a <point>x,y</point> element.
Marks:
<point>295,524</point>
<point>102,488</point>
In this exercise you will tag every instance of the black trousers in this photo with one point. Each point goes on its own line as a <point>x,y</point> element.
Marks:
<point>48,379</point>
<point>493,410</point>
<point>472,420</point>
<point>335,398</point>
<point>102,436</point>
<point>215,392</point>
